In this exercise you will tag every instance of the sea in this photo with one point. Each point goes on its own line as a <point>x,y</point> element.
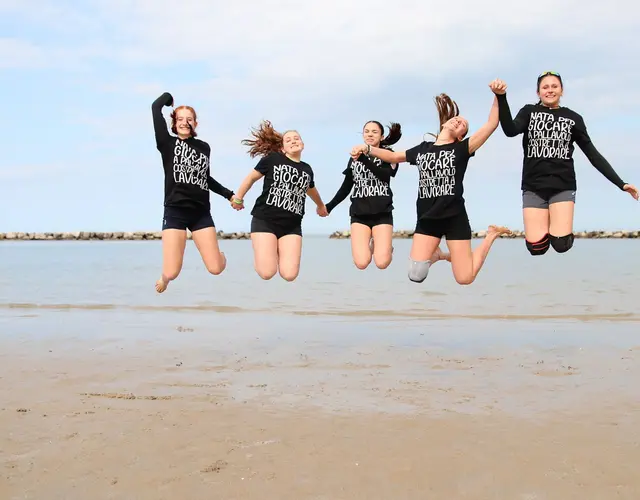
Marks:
<point>577,313</point>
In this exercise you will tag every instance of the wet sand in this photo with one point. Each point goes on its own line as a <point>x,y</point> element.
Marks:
<point>219,412</point>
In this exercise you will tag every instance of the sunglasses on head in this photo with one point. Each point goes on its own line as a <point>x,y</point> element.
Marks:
<point>549,73</point>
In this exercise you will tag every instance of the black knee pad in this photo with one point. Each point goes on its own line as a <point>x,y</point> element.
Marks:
<point>539,247</point>
<point>562,244</point>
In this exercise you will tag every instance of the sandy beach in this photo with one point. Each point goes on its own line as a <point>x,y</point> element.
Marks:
<point>342,385</point>
<point>176,417</point>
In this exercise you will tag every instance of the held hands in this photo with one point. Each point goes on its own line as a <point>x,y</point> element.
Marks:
<point>632,190</point>
<point>322,211</point>
<point>498,87</point>
<point>358,150</point>
<point>237,203</point>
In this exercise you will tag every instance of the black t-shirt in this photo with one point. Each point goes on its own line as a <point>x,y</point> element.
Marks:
<point>186,165</point>
<point>441,169</point>
<point>369,178</point>
<point>548,145</point>
<point>284,190</point>
<point>371,185</point>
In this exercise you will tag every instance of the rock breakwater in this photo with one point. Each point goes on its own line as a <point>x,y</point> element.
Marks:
<point>515,234</point>
<point>157,235</point>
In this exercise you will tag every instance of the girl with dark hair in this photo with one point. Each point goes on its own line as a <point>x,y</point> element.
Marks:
<point>548,174</point>
<point>276,226</point>
<point>371,207</point>
<point>187,181</point>
<point>440,205</point>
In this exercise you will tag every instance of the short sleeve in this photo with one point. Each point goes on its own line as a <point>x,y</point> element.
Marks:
<point>463,150</point>
<point>394,171</point>
<point>312,180</point>
<point>206,148</point>
<point>264,164</point>
<point>412,154</point>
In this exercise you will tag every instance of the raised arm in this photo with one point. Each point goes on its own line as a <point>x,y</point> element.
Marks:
<point>484,132</point>
<point>218,188</point>
<point>383,154</point>
<point>343,192</point>
<point>511,127</point>
<point>159,123</point>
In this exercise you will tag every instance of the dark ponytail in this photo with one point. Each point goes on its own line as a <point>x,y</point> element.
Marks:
<point>394,135</point>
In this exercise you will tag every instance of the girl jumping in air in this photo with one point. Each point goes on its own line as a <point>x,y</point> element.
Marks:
<point>371,207</point>
<point>440,205</point>
<point>276,226</point>
<point>187,182</point>
<point>548,175</point>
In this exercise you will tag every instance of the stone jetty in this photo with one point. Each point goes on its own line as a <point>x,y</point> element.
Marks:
<point>157,235</point>
<point>107,236</point>
<point>515,234</point>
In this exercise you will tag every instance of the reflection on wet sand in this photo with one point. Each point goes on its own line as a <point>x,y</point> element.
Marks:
<point>360,313</point>
<point>106,419</point>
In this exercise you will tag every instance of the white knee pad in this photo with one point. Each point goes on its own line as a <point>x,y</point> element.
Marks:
<point>418,270</point>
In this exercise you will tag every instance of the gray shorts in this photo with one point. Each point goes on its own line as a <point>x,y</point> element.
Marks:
<point>538,200</point>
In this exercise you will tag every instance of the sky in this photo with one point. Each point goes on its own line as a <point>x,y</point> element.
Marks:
<point>78,79</point>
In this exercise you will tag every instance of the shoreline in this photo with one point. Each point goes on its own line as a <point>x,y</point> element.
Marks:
<point>213,410</point>
<point>157,235</point>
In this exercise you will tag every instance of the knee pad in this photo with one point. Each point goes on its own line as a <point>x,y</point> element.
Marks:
<point>418,270</point>
<point>539,247</point>
<point>562,244</point>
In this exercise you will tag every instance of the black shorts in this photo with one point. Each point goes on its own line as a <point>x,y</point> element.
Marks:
<point>186,218</point>
<point>456,227</point>
<point>278,228</point>
<point>372,220</point>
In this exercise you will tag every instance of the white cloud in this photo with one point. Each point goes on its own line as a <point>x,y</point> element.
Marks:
<point>325,62</point>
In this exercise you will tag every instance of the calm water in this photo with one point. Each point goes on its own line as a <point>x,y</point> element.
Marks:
<point>528,335</point>
<point>597,278</point>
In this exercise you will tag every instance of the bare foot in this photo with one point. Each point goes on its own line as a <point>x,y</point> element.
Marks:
<point>440,255</point>
<point>161,284</point>
<point>497,231</point>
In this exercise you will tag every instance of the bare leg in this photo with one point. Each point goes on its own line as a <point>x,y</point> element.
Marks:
<point>424,247</point>
<point>206,241</point>
<point>536,230</point>
<point>467,264</point>
<point>360,250</point>
<point>289,254</point>
<point>536,223</point>
<point>382,245</point>
<point>561,218</point>
<point>265,254</point>
<point>173,244</point>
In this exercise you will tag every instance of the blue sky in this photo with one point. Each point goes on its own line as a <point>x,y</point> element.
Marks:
<point>78,79</point>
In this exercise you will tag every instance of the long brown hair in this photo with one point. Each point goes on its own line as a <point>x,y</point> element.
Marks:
<point>174,119</point>
<point>447,109</point>
<point>266,140</point>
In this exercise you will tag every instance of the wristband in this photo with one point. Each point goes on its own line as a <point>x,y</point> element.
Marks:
<point>237,201</point>
<point>368,149</point>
